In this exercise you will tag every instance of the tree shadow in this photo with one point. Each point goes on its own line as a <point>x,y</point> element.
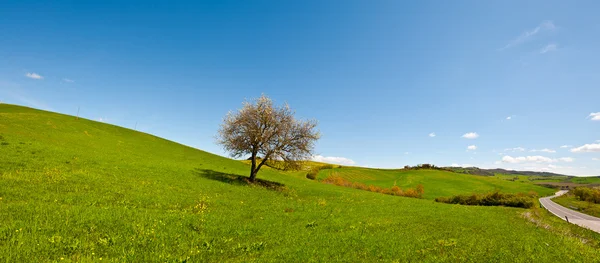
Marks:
<point>239,180</point>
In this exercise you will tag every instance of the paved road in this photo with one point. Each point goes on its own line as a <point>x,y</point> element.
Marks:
<point>575,217</point>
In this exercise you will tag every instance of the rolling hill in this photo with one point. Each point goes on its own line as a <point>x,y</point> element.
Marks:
<point>78,190</point>
<point>437,183</point>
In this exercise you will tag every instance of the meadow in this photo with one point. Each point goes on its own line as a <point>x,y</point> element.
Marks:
<point>78,190</point>
<point>437,183</point>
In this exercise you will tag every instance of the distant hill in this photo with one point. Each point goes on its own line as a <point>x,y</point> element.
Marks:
<point>491,172</point>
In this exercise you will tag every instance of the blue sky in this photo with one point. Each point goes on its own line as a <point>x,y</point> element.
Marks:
<point>381,77</point>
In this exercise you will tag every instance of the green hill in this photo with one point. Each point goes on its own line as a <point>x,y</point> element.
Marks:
<point>437,183</point>
<point>78,190</point>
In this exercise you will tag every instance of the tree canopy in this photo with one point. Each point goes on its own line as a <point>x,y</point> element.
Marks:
<point>267,132</point>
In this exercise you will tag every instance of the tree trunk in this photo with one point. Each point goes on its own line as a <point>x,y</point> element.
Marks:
<point>253,171</point>
<point>253,176</point>
<point>255,168</point>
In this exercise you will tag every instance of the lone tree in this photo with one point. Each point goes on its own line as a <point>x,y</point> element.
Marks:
<point>267,132</point>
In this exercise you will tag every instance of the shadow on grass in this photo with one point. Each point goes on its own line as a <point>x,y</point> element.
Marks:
<point>235,179</point>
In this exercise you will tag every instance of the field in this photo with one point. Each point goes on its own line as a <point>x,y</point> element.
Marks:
<point>78,190</point>
<point>437,183</point>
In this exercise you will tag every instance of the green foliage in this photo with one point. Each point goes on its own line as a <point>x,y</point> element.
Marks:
<point>492,199</point>
<point>314,171</point>
<point>571,201</point>
<point>84,191</point>
<point>587,194</point>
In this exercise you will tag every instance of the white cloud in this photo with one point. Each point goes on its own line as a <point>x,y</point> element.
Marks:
<point>516,149</point>
<point>432,134</point>
<point>566,146</point>
<point>334,160</point>
<point>462,165</point>
<point>68,80</point>
<point>522,159</point>
<point>471,147</point>
<point>596,159</point>
<point>525,36</point>
<point>509,117</point>
<point>470,135</point>
<point>546,150</point>
<point>566,159</point>
<point>33,75</point>
<point>587,148</point>
<point>595,116</point>
<point>535,159</point>
<point>548,48</point>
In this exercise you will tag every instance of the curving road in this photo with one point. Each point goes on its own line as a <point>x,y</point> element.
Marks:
<point>574,217</point>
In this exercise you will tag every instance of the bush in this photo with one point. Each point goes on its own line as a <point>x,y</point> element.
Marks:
<point>492,199</point>
<point>312,174</point>
<point>394,190</point>
<point>591,195</point>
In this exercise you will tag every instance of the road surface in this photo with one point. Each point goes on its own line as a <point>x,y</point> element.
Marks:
<point>583,220</point>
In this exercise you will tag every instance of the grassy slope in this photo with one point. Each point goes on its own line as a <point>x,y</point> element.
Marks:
<point>437,183</point>
<point>570,201</point>
<point>82,190</point>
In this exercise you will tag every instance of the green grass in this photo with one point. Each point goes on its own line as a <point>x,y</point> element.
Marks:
<point>532,178</point>
<point>78,190</point>
<point>570,201</point>
<point>586,180</point>
<point>437,183</point>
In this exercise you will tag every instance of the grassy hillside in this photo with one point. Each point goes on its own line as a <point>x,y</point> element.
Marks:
<point>571,201</point>
<point>436,182</point>
<point>78,190</point>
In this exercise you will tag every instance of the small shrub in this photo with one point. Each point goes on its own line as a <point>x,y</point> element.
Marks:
<point>394,190</point>
<point>591,195</point>
<point>492,199</point>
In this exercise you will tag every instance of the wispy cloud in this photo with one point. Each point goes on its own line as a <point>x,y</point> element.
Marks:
<point>522,159</point>
<point>596,159</point>
<point>470,135</point>
<point>566,146</point>
<point>509,118</point>
<point>432,134</point>
<point>546,150</point>
<point>586,148</point>
<point>595,116</point>
<point>68,80</point>
<point>534,159</point>
<point>516,149</point>
<point>462,165</point>
<point>527,35</point>
<point>548,48</point>
<point>33,75</point>
<point>334,160</point>
<point>471,148</point>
